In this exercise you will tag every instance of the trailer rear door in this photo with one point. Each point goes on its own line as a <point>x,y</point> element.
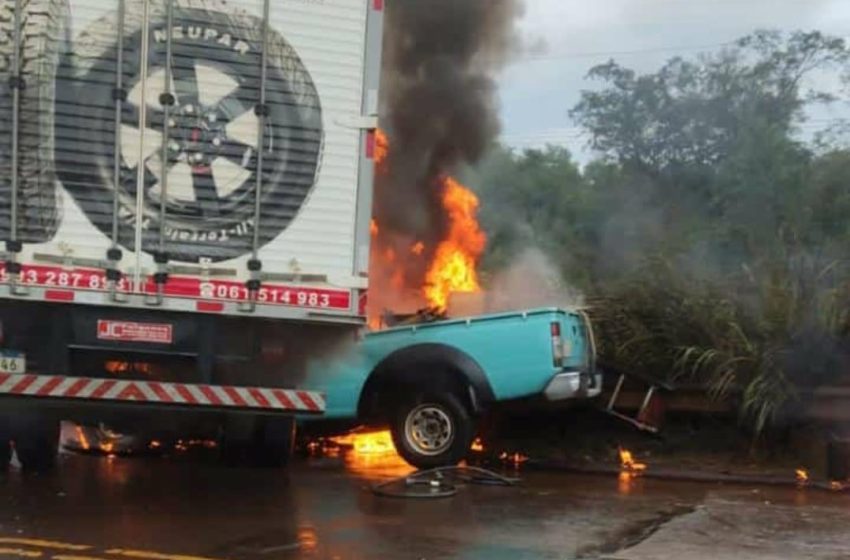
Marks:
<point>222,147</point>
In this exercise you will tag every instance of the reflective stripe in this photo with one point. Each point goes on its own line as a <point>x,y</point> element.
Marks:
<point>123,390</point>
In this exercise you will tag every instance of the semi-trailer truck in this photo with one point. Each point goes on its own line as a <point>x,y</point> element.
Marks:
<point>185,198</point>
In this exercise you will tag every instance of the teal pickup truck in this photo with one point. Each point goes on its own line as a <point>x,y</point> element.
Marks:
<point>431,381</point>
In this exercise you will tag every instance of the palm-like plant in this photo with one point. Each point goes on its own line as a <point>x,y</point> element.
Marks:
<point>760,338</point>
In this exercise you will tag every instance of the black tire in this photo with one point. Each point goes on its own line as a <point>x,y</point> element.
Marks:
<point>274,442</point>
<point>37,443</point>
<point>260,441</point>
<point>44,40</point>
<point>210,214</point>
<point>5,445</point>
<point>235,441</point>
<point>443,411</point>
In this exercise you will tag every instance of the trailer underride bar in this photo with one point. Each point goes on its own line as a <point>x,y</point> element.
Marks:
<point>269,400</point>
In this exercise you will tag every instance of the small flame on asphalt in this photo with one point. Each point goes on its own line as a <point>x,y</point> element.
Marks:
<point>802,476</point>
<point>628,463</point>
<point>367,443</point>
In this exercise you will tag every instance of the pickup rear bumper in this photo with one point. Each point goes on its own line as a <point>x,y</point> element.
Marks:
<point>573,384</point>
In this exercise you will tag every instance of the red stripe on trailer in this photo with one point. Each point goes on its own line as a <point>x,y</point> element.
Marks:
<point>131,393</point>
<point>209,307</point>
<point>259,398</point>
<point>59,295</point>
<point>102,388</point>
<point>186,394</point>
<point>78,386</point>
<point>235,396</point>
<point>210,395</point>
<point>308,400</point>
<point>208,295</point>
<point>283,398</point>
<point>21,386</point>
<point>159,391</point>
<point>48,387</point>
<point>4,377</point>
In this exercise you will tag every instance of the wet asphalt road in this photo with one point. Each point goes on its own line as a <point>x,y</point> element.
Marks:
<point>179,508</point>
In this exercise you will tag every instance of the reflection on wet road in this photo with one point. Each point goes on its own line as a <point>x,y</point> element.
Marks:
<point>184,509</point>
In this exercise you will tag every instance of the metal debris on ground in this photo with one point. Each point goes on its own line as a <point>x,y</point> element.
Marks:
<point>441,482</point>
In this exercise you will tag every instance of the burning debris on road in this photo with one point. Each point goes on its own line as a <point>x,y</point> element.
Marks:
<point>628,463</point>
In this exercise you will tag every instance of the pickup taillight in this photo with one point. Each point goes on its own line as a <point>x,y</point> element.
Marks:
<point>557,344</point>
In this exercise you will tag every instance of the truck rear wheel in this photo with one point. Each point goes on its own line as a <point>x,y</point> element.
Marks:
<point>433,430</point>
<point>261,441</point>
<point>5,445</point>
<point>37,443</point>
<point>273,442</point>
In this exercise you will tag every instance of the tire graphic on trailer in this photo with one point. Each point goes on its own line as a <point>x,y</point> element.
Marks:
<point>44,34</point>
<point>212,145</point>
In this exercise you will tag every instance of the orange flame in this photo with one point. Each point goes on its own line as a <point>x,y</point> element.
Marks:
<point>802,476</point>
<point>382,147</point>
<point>477,446</point>
<point>84,441</point>
<point>369,443</point>
<point>453,269</point>
<point>448,267</point>
<point>628,463</point>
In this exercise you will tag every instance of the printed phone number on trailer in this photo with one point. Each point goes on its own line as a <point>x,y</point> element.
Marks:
<point>206,290</point>
<point>80,280</point>
<point>281,296</point>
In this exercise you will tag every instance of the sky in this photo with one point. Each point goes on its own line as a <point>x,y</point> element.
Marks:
<point>565,38</point>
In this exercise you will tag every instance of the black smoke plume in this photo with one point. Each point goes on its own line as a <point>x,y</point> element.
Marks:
<point>439,109</point>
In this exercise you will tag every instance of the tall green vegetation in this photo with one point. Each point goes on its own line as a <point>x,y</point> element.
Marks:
<point>710,236</point>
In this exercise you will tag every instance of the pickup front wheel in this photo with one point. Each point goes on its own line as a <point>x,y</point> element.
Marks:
<point>433,430</point>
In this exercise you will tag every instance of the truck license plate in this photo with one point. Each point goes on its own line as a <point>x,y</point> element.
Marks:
<point>12,362</point>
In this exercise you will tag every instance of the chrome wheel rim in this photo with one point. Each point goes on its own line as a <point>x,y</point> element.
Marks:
<point>429,430</point>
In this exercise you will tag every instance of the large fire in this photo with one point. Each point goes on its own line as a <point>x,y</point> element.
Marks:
<point>449,266</point>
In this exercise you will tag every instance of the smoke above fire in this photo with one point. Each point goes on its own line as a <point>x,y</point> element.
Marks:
<point>439,112</point>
